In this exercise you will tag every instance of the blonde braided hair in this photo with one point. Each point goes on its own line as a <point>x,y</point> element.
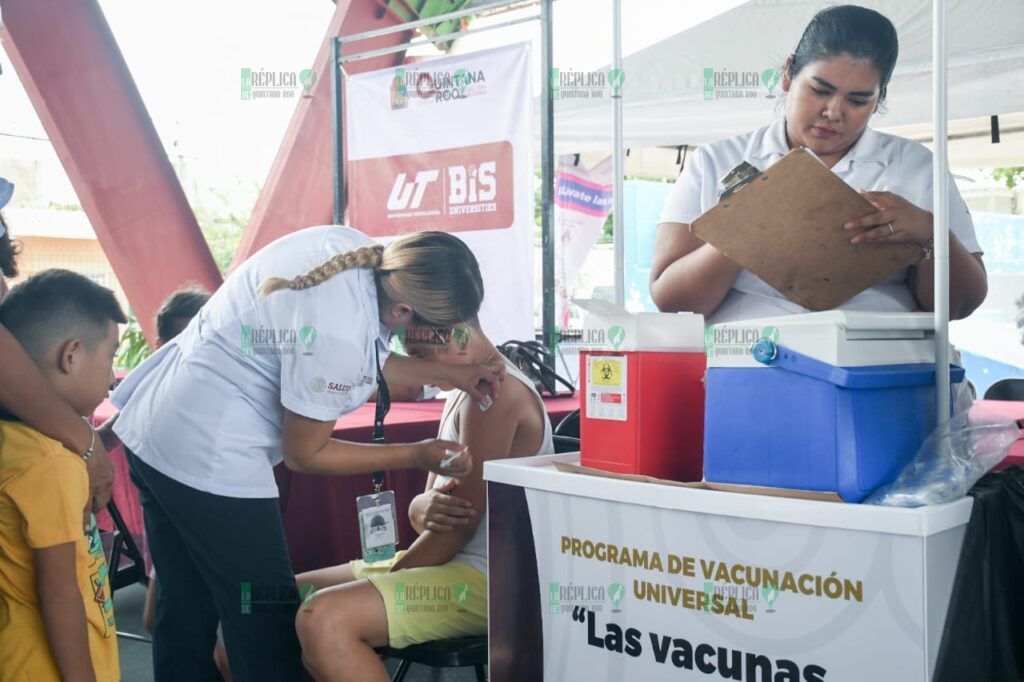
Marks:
<point>371,257</point>
<point>434,272</point>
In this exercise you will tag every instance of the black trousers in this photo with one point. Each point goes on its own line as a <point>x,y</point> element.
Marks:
<point>218,558</point>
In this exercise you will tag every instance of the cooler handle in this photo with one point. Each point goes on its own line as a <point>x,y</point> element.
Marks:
<point>768,353</point>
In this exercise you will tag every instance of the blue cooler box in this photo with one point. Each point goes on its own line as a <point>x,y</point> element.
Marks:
<point>834,401</point>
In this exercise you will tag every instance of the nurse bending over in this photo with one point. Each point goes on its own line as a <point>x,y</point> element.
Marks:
<point>289,343</point>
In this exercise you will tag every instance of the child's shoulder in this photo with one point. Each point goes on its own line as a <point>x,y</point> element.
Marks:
<point>22,446</point>
<point>516,402</point>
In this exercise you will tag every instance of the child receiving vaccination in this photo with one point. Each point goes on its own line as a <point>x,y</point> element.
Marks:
<point>356,606</point>
<point>56,615</point>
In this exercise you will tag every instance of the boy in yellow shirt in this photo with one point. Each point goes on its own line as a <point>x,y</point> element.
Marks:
<point>56,615</point>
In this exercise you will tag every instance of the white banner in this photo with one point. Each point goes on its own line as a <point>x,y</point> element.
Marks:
<point>583,199</point>
<point>632,592</point>
<point>446,145</point>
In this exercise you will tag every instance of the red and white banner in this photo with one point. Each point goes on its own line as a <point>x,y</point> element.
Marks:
<point>446,145</point>
<point>583,199</point>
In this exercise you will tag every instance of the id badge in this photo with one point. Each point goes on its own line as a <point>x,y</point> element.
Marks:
<point>378,525</point>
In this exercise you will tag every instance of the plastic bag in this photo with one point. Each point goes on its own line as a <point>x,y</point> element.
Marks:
<point>950,460</point>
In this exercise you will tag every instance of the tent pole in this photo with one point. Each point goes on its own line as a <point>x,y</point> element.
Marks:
<point>940,182</point>
<point>339,131</point>
<point>547,152</point>
<point>617,160</point>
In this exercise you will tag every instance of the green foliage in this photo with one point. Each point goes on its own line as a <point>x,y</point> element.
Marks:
<point>223,219</point>
<point>133,349</point>
<point>1010,175</point>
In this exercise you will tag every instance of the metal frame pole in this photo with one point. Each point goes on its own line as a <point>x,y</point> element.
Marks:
<point>547,150</point>
<point>940,198</point>
<point>338,129</point>
<point>618,162</point>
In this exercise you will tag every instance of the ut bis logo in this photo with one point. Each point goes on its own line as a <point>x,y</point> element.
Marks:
<point>471,188</point>
<point>474,184</point>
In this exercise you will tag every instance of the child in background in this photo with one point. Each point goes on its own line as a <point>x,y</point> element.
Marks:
<point>58,619</point>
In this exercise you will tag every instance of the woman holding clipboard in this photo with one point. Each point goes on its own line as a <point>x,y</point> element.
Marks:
<point>835,80</point>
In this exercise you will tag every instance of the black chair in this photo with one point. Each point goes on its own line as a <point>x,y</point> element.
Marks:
<point>565,444</point>
<point>123,545</point>
<point>445,653</point>
<point>1006,389</point>
<point>570,425</point>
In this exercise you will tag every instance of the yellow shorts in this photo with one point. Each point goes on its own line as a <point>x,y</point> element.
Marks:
<point>429,602</point>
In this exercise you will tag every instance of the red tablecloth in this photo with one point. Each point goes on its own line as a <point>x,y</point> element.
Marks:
<point>319,512</point>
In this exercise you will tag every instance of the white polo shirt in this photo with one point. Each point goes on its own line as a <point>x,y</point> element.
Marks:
<point>875,162</point>
<point>206,409</point>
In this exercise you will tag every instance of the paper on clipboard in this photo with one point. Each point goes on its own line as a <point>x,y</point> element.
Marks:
<point>785,225</point>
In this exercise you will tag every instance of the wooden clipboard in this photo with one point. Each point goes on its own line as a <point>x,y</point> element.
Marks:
<point>785,225</point>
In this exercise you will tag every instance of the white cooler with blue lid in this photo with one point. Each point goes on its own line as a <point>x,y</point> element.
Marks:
<point>832,401</point>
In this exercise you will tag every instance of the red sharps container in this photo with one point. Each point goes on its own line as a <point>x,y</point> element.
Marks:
<point>642,392</point>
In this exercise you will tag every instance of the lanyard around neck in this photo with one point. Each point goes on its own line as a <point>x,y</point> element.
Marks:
<point>383,405</point>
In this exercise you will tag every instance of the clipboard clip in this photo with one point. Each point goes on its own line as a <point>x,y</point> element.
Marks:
<point>738,177</point>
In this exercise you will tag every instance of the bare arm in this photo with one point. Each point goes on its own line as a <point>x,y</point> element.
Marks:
<point>64,612</point>
<point>308,448</point>
<point>687,274</point>
<point>477,380</point>
<point>489,435</point>
<point>968,282</point>
<point>26,393</point>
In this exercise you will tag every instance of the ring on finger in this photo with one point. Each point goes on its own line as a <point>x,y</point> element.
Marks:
<point>892,230</point>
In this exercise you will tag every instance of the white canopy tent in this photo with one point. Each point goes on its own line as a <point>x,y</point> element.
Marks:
<point>975,69</point>
<point>663,93</point>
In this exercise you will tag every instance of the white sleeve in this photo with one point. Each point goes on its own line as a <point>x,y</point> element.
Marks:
<point>684,201</point>
<point>330,372</point>
<point>960,221</point>
<point>326,384</point>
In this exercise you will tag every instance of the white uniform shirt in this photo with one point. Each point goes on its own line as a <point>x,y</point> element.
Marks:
<point>876,162</point>
<point>206,409</point>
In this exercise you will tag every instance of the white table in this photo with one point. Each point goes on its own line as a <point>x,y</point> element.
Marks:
<point>865,597</point>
